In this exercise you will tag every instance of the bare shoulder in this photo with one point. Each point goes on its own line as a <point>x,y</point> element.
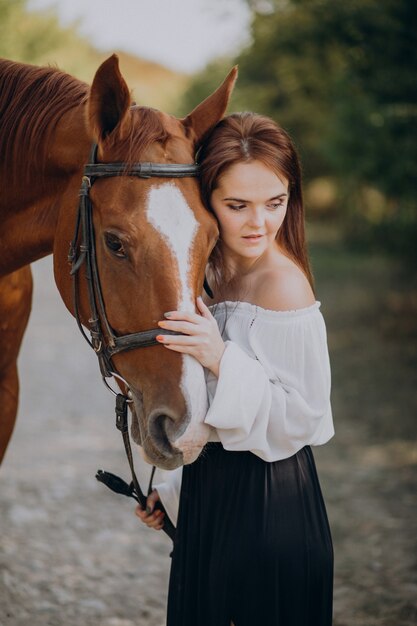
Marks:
<point>283,289</point>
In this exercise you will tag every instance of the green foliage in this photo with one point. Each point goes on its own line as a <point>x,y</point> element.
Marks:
<point>38,38</point>
<point>341,78</point>
<point>26,36</point>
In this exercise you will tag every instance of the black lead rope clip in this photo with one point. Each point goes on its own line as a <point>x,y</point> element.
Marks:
<point>113,482</point>
<point>116,484</point>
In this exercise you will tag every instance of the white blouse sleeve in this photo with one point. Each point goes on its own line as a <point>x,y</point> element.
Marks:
<point>169,492</point>
<point>279,401</point>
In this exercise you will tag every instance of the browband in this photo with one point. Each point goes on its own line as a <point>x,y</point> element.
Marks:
<point>142,170</point>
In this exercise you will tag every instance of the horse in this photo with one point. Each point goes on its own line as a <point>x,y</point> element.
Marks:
<point>152,236</point>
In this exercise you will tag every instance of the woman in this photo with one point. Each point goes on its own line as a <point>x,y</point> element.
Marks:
<point>253,543</point>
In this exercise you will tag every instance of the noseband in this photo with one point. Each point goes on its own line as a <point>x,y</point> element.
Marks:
<point>103,339</point>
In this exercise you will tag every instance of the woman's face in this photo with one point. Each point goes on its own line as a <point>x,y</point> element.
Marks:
<point>250,203</point>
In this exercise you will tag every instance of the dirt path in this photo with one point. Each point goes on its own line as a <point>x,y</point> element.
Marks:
<point>73,554</point>
<point>368,471</point>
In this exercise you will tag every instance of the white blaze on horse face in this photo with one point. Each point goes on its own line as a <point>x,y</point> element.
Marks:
<point>193,387</point>
<point>169,213</point>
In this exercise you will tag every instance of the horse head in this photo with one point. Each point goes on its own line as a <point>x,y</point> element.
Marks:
<point>152,241</point>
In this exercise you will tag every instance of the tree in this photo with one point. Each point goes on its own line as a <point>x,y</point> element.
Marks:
<point>340,77</point>
<point>26,36</point>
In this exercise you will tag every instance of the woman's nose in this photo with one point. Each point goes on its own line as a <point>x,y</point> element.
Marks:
<point>257,217</point>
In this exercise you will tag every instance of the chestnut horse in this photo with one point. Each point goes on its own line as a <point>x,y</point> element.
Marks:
<point>152,236</point>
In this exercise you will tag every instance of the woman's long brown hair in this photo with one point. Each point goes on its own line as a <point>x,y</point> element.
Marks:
<point>243,137</point>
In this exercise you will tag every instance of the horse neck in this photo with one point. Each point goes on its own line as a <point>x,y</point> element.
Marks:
<point>30,205</point>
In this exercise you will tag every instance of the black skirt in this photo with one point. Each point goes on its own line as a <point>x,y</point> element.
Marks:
<point>253,544</point>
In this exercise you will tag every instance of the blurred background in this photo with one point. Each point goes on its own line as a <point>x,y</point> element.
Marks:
<point>341,78</point>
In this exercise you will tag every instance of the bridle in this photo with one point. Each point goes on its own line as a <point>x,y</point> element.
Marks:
<point>103,339</point>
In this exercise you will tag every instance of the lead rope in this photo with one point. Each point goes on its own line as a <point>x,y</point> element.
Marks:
<point>118,485</point>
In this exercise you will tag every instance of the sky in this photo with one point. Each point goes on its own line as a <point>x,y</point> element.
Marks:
<point>181,34</point>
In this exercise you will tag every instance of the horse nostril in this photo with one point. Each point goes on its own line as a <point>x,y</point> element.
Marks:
<point>163,429</point>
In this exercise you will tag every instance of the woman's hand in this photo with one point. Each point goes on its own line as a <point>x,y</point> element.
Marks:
<point>152,518</point>
<point>201,339</point>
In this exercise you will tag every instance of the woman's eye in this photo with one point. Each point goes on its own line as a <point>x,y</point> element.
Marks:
<point>114,245</point>
<point>275,205</point>
<point>236,207</point>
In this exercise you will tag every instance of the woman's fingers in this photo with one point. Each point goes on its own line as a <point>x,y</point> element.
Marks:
<point>188,322</point>
<point>153,520</point>
<point>188,316</point>
<point>152,517</point>
<point>203,308</point>
<point>201,337</point>
<point>181,340</point>
<point>184,349</point>
<point>151,501</point>
<point>181,326</point>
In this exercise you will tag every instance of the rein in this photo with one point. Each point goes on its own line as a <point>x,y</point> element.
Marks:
<point>103,339</point>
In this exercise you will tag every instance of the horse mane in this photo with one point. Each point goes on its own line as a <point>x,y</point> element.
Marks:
<point>32,101</point>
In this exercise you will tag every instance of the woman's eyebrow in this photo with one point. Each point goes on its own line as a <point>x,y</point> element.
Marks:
<point>281,195</point>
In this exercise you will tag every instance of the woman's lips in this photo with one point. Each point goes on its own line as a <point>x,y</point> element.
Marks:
<point>252,238</point>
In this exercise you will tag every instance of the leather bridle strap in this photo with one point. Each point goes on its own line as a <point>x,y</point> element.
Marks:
<point>141,170</point>
<point>103,339</point>
<point>107,343</point>
<point>117,484</point>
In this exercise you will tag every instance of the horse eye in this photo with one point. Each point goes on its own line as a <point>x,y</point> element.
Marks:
<point>114,244</point>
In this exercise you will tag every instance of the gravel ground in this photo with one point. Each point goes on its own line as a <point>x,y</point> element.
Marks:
<point>73,554</point>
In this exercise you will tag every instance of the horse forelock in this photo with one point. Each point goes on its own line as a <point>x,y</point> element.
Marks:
<point>145,128</point>
<point>32,102</point>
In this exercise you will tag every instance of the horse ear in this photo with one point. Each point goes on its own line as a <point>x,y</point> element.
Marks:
<point>206,115</point>
<point>109,101</point>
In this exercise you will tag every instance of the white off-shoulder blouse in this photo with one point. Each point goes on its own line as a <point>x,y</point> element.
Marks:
<point>272,396</point>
